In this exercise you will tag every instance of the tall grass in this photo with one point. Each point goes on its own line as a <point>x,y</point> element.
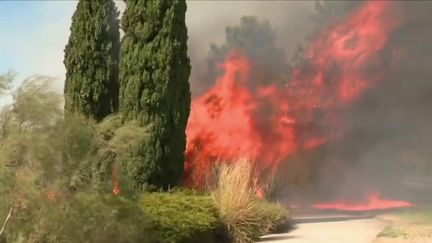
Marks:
<point>235,199</point>
<point>246,216</point>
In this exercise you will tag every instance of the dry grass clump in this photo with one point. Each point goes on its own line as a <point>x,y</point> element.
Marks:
<point>246,216</point>
<point>235,199</point>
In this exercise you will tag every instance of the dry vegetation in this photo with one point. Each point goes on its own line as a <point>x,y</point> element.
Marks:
<point>246,216</point>
<point>235,199</point>
<point>411,226</point>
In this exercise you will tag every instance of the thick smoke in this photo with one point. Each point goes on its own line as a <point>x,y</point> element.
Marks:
<point>385,145</point>
<point>268,30</point>
<point>386,148</point>
<point>257,41</point>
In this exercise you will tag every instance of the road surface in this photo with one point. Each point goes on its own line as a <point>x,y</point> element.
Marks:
<point>330,229</point>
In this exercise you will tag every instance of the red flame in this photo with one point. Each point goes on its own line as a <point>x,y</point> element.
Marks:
<point>269,123</point>
<point>52,195</point>
<point>116,187</point>
<point>374,202</point>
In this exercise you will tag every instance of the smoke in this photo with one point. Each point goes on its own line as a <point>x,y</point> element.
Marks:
<point>268,30</point>
<point>379,143</point>
<point>257,41</point>
<point>385,148</point>
<point>390,124</point>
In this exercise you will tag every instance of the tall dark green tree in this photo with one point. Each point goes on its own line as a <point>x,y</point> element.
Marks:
<point>154,87</point>
<point>91,60</point>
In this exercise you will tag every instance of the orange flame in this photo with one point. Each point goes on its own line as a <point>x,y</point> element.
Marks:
<point>269,123</point>
<point>374,202</point>
<point>116,187</point>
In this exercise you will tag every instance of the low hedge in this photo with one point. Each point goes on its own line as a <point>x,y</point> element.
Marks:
<point>275,218</point>
<point>179,216</point>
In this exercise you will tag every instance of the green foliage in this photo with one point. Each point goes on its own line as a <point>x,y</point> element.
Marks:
<point>179,217</point>
<point>28,125</point>
<point>108,218</point>
<point>154,88</point>
<point>80,217</point>
<point>112,142</point>
<point>41,153</point>
<point>32,145</point>
<point>274,216</point>
<point>91,60</point>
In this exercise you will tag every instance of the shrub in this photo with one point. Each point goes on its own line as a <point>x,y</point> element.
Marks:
<point>47,166</point>
<point>95,217</point>
<point>274,216</point>
<point>87,216</point>
<point>179,216</point>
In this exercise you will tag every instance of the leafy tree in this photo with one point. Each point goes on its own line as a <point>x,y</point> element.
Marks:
<point>91,60</point>
<point>37,204</point>
<point>154,88</point>
<point>112,143</point>
<point>28,165</point>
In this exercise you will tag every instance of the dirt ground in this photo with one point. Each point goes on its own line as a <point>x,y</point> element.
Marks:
<point>406,228</point>
<point>331,231</point>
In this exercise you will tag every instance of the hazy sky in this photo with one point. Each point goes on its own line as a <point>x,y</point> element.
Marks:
<point>34,33</point>
<point>33,36</point>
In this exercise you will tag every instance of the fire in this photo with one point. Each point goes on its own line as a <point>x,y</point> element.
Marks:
<point>269,123</point>
<point>52,195</point>
<point>374,202</point>
<point>222,124</point>
<point>116,187</point>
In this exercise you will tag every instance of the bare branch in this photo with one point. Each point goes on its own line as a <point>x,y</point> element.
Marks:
<point>6,221</point>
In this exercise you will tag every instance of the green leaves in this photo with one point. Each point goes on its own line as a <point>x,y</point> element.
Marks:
<point>35,105</point>
<point>91,60</point>
<point>154,87</point>
<point>40,153</point>
<point>179,217</point>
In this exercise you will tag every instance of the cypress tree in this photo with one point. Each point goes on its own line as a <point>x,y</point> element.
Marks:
<point>154,87</point>
<point>91,60</point>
